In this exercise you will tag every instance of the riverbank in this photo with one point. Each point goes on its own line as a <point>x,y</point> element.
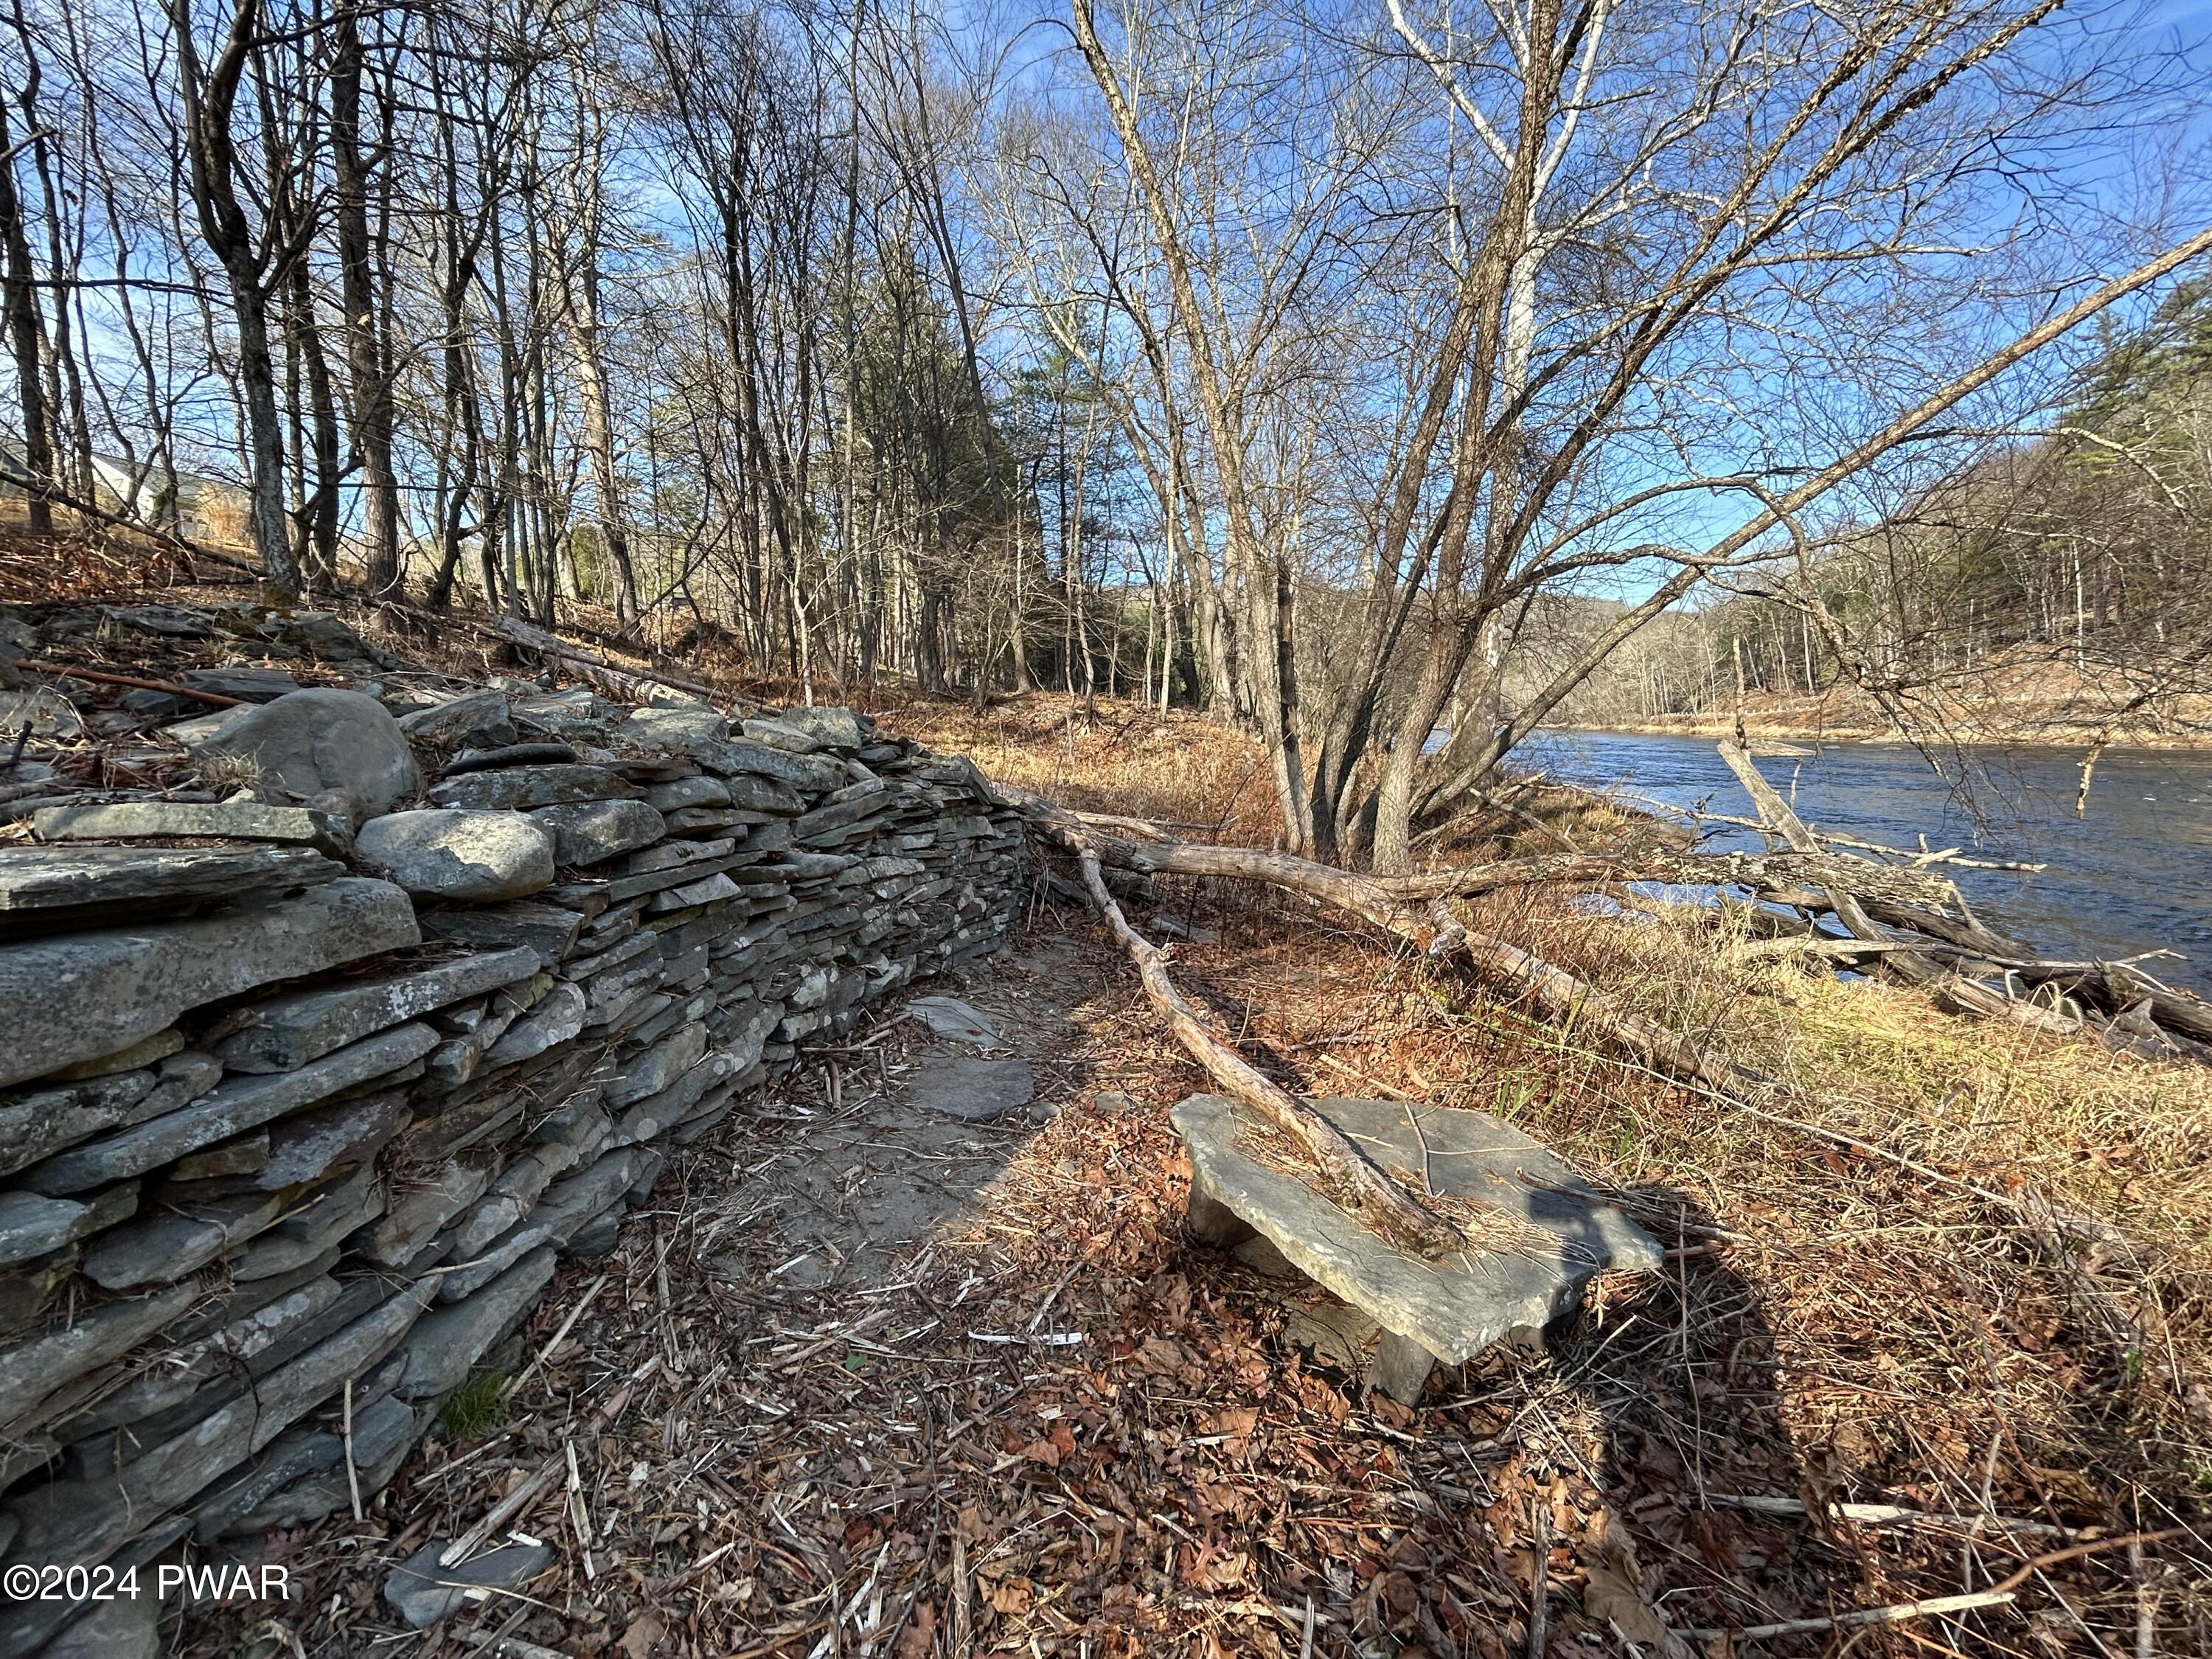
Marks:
<point>1813,725</point>
<point>2023,703</point>
<point>2122,876</point>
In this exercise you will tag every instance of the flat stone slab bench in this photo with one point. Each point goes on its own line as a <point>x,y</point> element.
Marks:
<point>1552,1234</point>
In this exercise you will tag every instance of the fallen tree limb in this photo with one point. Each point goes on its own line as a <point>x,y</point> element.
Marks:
<point>1159,854</point>
<point>1781,819</point>
<point>1952,991</point>
<point>2137,1005</point>
<point>1896,1613</point>
<point>1965,933</point>
<point>1570,1003</point>
<point>631,682</point>
<point>1352,1180</point>
<point>2114,986</point>
<point>1558,995</point>
<point>100,677</point>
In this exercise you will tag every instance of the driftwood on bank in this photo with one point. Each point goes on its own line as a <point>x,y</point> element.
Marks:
<point>2125,1008</point>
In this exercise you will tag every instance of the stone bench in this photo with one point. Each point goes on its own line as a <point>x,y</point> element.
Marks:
<point>1551,1233</point>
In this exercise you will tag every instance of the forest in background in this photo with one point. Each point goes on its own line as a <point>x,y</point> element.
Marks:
<point>1344,370</point>
<point>2073,568</point>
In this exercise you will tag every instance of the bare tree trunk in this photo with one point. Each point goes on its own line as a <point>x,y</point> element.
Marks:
<point>209,96</point>
<point>364,335</point>
<point>25,339</point>
<point>318,538</point>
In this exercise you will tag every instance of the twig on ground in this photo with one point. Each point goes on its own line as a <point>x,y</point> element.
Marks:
<point>2134,1540</point>
<point>99,676</point>
<point>1886,1515</point>
<point>1540,1552</point>
<point>353,1472</point>
<point>1895,1612</point>
<point>583,1302</point>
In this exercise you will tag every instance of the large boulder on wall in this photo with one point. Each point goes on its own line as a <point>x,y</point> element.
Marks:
<point>309,743</point>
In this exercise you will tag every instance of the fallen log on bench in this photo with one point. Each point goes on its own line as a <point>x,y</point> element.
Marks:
<point>1562,998</point>
<point>1352,1180</point>
<point>1556,993</point>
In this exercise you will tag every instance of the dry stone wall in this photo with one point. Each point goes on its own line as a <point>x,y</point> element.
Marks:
<point>311,1077</point>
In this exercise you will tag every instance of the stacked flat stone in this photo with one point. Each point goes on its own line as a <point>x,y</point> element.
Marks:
<point>300,1117</point>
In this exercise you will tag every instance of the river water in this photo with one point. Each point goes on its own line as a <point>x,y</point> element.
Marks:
<point>2133,875</point>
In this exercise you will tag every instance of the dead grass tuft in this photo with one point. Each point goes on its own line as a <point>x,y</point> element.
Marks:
<point>1177,768</point>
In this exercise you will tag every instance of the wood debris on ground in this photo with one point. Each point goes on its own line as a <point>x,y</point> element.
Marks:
<point>1866,1410</point>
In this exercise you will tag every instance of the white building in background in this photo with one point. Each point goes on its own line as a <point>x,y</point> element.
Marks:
<point>203,509</point>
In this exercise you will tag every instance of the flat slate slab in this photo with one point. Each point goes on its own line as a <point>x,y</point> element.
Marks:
<point>949,1017</point>
<point>1550,1240</point>
<point>422,1591</point>
<point>237,820</point>
<point>84,995</point>
<point>288,1031</point>
<point>77,885</point>
<point>975,1090</point>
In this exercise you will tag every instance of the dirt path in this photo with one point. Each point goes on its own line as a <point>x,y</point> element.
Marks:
<point>908,1134</point>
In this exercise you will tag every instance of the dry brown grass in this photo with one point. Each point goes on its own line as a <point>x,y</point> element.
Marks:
<point>1122,757</point>
<point>1853,1320</point>
<point>1962,1268</point>
<point>1870,1186</point>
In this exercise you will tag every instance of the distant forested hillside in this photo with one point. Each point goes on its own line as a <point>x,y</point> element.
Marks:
<point>2072,566</point>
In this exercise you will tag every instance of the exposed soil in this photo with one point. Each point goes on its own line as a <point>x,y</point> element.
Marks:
<point>906,1139</point>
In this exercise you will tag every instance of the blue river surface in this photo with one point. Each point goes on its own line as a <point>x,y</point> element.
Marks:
<point>2134,874</point>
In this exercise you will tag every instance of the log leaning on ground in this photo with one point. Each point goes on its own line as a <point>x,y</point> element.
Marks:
<point>1565,1000</point>
<point>1408,908</point>
<point>1352,1180</point>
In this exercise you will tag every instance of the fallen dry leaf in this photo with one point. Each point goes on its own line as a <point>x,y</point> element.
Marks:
<point>1611,1598</point>
<point>643,1638</point>
<point>919,1639</point>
